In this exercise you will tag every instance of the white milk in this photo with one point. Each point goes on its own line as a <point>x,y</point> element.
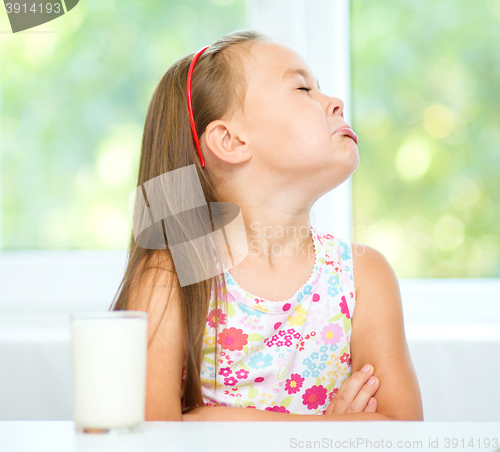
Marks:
<point>109,353</point>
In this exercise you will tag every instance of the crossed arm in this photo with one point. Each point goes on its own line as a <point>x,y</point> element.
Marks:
<point>378,335</point>
<point>377,338</point>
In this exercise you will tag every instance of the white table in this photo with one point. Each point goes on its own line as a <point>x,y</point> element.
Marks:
<point>60,436</point>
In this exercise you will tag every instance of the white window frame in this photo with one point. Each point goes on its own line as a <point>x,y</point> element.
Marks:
<point>65,281</point>
<point>38,289</point>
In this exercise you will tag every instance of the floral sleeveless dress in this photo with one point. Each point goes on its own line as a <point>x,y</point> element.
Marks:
<point>289,356</point>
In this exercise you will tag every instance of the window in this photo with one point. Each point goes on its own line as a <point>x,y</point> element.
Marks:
<point>425,106</point>
<point>419,83</point>
<point>74,94</point>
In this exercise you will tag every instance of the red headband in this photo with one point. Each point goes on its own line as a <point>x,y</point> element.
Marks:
<point>190,107</point>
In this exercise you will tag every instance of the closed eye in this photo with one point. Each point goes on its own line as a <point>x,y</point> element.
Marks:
<point>306,88</point>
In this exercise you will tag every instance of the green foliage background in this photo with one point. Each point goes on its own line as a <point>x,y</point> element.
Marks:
<point>425,97</point>
<point>74,95</point>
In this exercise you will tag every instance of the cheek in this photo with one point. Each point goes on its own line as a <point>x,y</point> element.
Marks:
<point>279,131</point>
<point>273,131</point>
<point>292,132</point>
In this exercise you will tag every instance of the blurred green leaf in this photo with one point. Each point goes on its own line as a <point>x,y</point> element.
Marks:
<point>425,107</point>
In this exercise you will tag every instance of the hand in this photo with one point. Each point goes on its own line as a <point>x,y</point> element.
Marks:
<point>354,394</point>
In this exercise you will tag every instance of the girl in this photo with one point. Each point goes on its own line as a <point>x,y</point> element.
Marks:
<point>282,344</point>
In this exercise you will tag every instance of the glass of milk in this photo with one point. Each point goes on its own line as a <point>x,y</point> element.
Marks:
<point>108,354</point>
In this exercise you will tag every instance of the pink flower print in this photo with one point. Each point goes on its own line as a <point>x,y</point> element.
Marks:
<point>231,381</point>
<point>296,335</point>
<point>290,331</point>
<point>221,317</point>
<point>288,343</point>
<point>294,383</point>
<point>331,333</point>
<point>225,371</point>
<point>332,394</point>
<point>314,397</point>
<point>278,409</point>
<point>232,339</point>
<point>344,308</point>
<point>279,343</point>
<point>281,332</point>
<point>241,374</point>
<point>344,357</point>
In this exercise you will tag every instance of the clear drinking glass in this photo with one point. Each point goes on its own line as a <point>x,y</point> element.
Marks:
<point>108,357</point>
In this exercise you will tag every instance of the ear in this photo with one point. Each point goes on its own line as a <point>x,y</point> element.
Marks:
<point>222,139</point>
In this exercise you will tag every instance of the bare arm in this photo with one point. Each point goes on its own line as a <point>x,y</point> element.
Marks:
<point>226,413</point>
<point>378,335</point>
<point>155,292</point>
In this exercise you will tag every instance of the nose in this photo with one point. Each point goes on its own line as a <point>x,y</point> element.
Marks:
<point>334,106</point>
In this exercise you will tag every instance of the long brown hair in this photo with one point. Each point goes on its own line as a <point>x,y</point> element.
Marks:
<point>218,91</point>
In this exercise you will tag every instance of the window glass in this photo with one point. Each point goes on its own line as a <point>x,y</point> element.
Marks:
<point>73,96</point>
<point>425,102</point>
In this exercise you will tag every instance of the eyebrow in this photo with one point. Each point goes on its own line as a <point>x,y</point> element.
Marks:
<point>300,71</point>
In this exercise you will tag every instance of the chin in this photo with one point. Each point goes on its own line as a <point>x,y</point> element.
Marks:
<point>355,160</point>
<point>357,163</point>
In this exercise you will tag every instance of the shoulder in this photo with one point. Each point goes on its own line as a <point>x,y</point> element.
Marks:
<point>367,262</point>
<point>371,268</point>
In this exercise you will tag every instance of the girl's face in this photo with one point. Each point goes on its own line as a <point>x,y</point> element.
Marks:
<point>289,129</point>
